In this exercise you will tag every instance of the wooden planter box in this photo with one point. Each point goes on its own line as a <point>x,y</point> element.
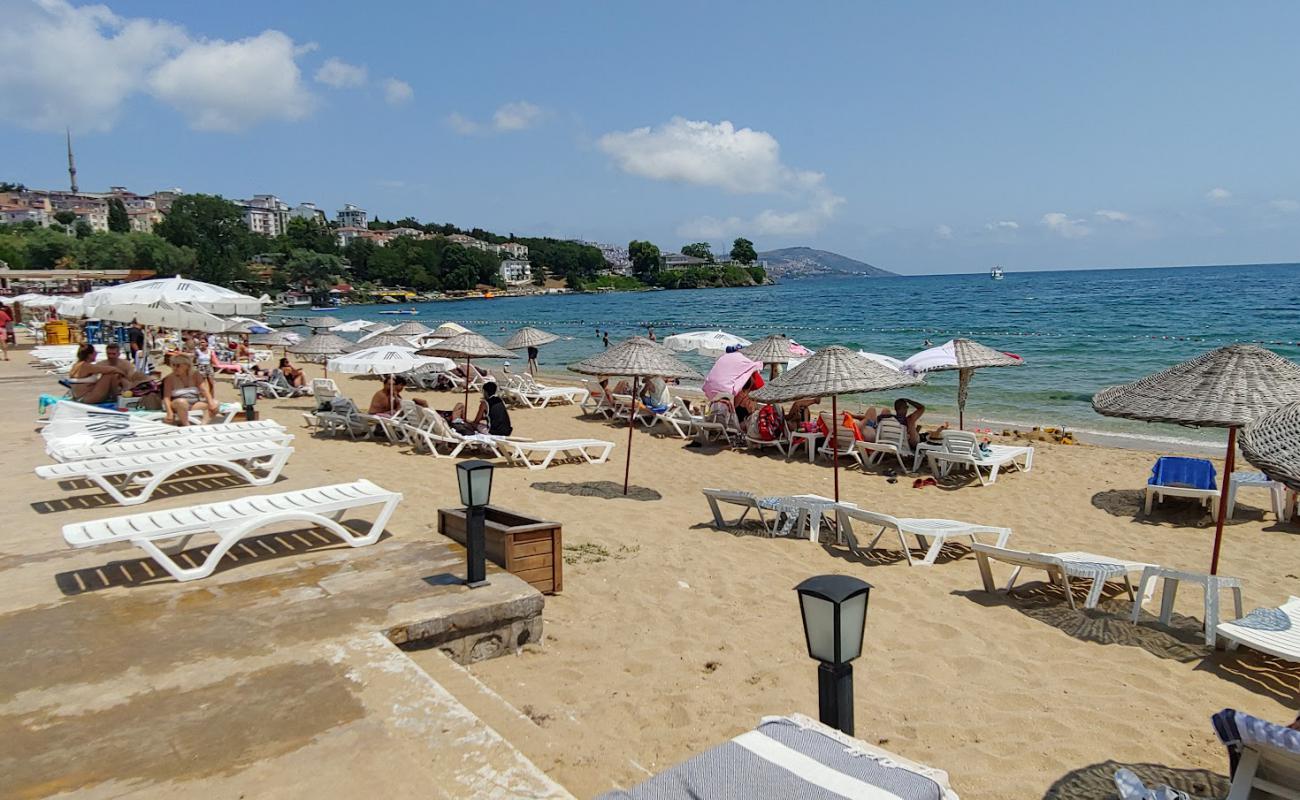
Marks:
<point>532,549</point>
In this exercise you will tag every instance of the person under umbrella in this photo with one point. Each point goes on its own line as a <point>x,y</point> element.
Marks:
<point>468,346</point>
<point>636,358</point>
<point>530,339</point>
<point>831,372</point>
<point>1224,388</point>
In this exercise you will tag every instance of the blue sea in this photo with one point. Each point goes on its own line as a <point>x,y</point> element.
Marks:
<point>1077,330</point>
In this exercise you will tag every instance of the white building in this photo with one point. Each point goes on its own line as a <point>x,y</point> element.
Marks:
<point>351,216</point>
<point>266,214</point>
<point>618,259</point>
<point>96,216</point>
<point>514,250</point>
<point>12,215</point>
<point>308,211</point>
<point>516,272</point>
<point>348,234</point>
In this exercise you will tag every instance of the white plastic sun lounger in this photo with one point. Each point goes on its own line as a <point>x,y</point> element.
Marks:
<point>1268,756</point>
<point>528,392</point>
<point>132,479</point>
<point>960,449</point>
<point>931,534</point>
<point>233,520</point>
<point>891,439</point>
<point>746,500</point>
<point>845,444</point>
<point>1275,631</point>
<point>185,439</point>
<point>1060,567</point>
<point>114,434</point>
<point>430,430</point>
<point>592,451</point>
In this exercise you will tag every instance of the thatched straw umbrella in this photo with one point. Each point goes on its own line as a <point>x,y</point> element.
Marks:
<point>833,371</point>
<point>1225,388</point>
<point>1272,443</point>
<point>636,358</point>
<point>386,339</point>
<point>321,323</point>
<point>411,328</point>
<point>775,351</point>
<point>530,338</point>
<point>320,347</point>
<point>467,346</point>
<point>965,356</point>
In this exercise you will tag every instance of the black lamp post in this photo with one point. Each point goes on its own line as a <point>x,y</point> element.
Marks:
<point>475,480</point>
<point>834,609</point>
<point>248,393</point>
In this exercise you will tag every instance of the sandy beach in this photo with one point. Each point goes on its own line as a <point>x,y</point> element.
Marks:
<point>670,637</point>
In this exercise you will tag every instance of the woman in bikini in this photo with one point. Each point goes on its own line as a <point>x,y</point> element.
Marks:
<point>184,391</point>
<point>96,383</point>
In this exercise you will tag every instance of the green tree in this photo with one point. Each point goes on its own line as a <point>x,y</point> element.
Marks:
<point>118,221</point>
<point>82,229</point>
<point>46,248</point>
<point>65,218</point>
<point>358,254</point>
<point>13,250</point>
<point>156,253</point>
<point>106,251</point>
<point>307,234</point>
<point>311,269</point>
<point>698,250</point>
<point>8,186</point>
<point>214,229</point>
<point>742,251</point>
<point>646,259</point>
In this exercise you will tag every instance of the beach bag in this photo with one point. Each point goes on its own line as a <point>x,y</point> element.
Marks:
<point>771,423</point>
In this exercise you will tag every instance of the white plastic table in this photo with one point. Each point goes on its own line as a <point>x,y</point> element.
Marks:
<point>807,509</point>
<point>1212,584</point>
<point>1257,480</point>
<point>800,437</point>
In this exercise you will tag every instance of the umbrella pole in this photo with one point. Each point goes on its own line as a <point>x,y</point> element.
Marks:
<point>1229,462</point>
<point>835,442</point>
<point>631,420</point>
<point>467,386</point>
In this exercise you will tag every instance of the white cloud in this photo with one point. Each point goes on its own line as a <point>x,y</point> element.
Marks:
<point>516,116</point>
<point>229,86</point>
<point>340,74</point>
<point>1064,226</point>
<point>1218,195</point>
<point>397,92</point>
<point>943,231</point>
<point>1112,216</point>
<point>76,66</point>
<point>1284,206</point>
<point>1003,225</point>
<point>739,161</point>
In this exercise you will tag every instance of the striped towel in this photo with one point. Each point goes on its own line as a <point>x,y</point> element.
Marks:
<point>793,758</point>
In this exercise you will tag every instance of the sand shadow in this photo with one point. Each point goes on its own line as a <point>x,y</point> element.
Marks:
<point>1257,672</point>
<point>265,547</point>
<point>195,481</point>
<point>1183,640</point>
<point>1097,781</point>
<point>1184,512</point>
<point>605,490</point>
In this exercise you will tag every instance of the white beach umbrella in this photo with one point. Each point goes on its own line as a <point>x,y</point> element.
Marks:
<point>965,356</point>
<point>372,333</point>
<point>162,314</point>
<point>71,307</point>
<point>42,301</point>
<point>71,421</point>
<point>387,360</point>
<point>203,296</point>
<point>27,297</point>
<point>884,360</point>
<point>706,343</point>
<point>351,326</point>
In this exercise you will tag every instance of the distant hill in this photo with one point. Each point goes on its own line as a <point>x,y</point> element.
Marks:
<point>805,262</point>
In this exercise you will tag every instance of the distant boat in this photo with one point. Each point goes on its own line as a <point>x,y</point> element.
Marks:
<point>324,308</point>
<point>410,312</point>
<point>996,273</point>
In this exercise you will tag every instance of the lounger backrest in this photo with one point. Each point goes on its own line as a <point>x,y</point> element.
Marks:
<point>1193,473</point>
<point>861,514</point>
<point>1020,558</point>
<point>730,494</point>
<point>960,443</point>
<point>891,433</point>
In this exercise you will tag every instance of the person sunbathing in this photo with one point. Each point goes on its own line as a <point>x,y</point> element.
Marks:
<point>292,374</point>
<point>800,412</point>
<point>99,383</point>
<point>183,391</point>
<point>388,400</point>
<point>909,419</point>
<point>492,417</point>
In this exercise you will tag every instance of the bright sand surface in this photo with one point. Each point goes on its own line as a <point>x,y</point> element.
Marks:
<point>671,637</point>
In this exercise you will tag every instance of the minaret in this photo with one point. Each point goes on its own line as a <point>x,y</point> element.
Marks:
<point>72,166</point>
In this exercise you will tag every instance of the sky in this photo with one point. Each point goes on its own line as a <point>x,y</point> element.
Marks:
<point>922,138</point>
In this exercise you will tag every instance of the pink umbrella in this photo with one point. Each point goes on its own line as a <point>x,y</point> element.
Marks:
<point>729,375</point>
